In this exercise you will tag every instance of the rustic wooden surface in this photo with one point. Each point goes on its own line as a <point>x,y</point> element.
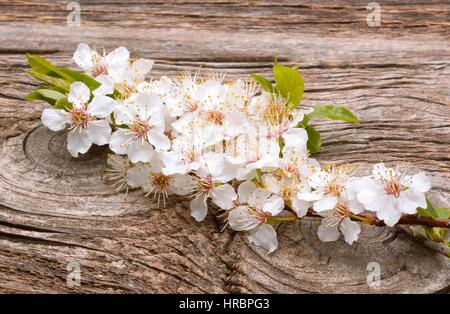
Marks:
<point>55,210</point>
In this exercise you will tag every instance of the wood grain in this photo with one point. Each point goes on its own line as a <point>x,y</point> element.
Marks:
<point>55,209</point>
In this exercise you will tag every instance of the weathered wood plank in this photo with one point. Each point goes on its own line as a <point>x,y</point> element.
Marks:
<point>309,16</point>
<point>54,209</point>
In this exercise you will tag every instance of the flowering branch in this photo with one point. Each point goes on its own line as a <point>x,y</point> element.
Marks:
<point>244,146</point>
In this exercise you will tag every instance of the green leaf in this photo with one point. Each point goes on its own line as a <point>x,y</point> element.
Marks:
<point>334,113</point>
<point>52,94</point>
<point>51,87</point>
<point>442,212</point>
<point>314,142</point>
<point>43,66</point>
<point>430,211</point>
<point>265,83</point>
<point>77,76</point>
<point>48,95</point>
<point>304,122</point>
<point>63,103</point>
<point>289,84</point>
<point>35,95</point>
<point>58,82</point>
<point>435,234</point>
<point>434,212</point>
<point>39,64</point>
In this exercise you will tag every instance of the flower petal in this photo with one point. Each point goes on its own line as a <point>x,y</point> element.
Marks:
<point>319,180</point>
<point>309,196</point>
<point>159,140</point>
<point>101,106</point>
<point>83,57</point>
<point>228,173</point>
<point>140,151</point>
<point>78,141</point>
<point>100,131</point>
<point>148,104</point>
<point>245,190</point>
<point>258,197</point>
<point>272,184</point>
<point>142,66</point>
<point>55,119</point>
<point>106,87</point>
<point>198,207</point>
<point>409,200</point>
<point>328,231</point>
<point>355,206</point>
<point>273,205</point>
<point>421,182</point>
<point>214,163</point>
<point>178,167</point>
<point>183,185</point>
<point>296,137</point>
<point>326,203</point>
<point>265,236</point>
<point>117,59</point>
<point>79,94</point>
<point>300,206</point>
<point>368,192</point>
<point>119,141</point>
<point>124,113</point>
<point>137,176</point>
<point>387,211</point>
<point>240,219</point>
<point>223,196</point>
<point>350,230</point>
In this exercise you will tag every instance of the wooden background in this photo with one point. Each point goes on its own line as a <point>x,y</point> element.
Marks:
<point>55,210</point>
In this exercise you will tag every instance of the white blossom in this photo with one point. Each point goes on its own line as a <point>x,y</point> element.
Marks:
<point>117,172</point>
<point>112,64</point>
<point>339,219</point>
<point>390,193</point>
<point>327,186</point>
<point>289,189</point>
<point>143,133</point>
<point>202,138</point>
<point>153,181</point>
<point>129,80</point>
<point>86,121</point>
<point>255,207</point>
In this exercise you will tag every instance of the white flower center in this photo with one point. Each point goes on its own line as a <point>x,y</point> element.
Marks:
<point>205,184</point>
<point>291,169</point>
<point>339,213</point>
<point>99,68</point>
<point>215,116</point>
<point>80,117</point>
<point>191,155</point>
<point>191,106</point>
<point>126,90</point>
<point>140,128</point>
<point>160,182</point>
<point>334,188</point>
<point>393,187</point>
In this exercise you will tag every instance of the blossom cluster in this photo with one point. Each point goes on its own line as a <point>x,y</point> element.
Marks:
<point>225,144</point>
